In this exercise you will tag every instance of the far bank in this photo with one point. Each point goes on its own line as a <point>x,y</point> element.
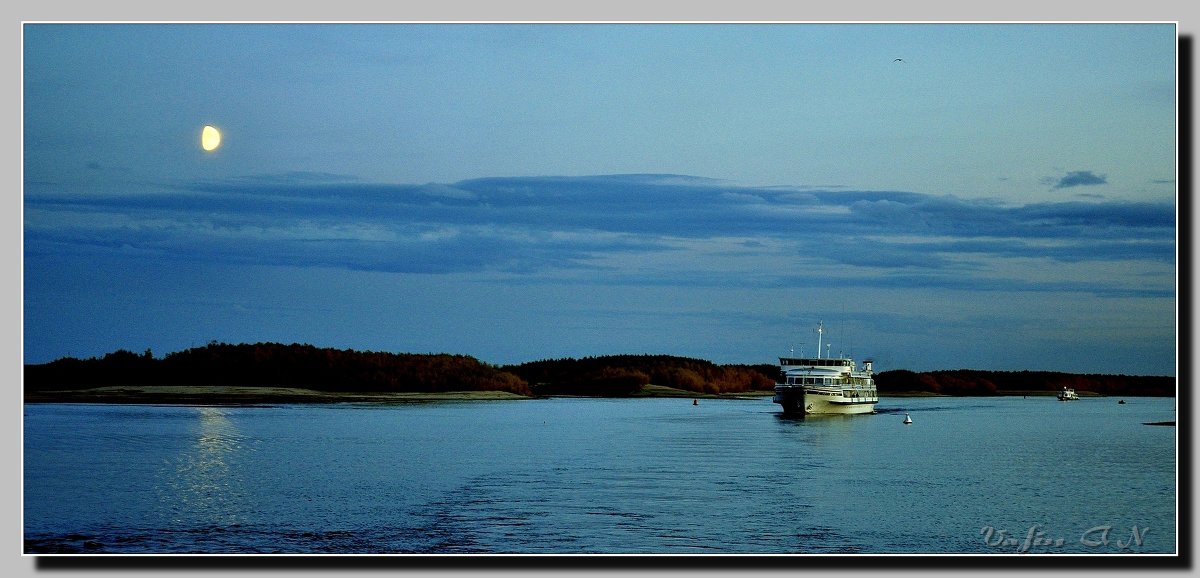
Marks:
<point>242,395</point>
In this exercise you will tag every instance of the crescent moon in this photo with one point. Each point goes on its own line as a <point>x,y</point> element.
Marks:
<point>210,138</point>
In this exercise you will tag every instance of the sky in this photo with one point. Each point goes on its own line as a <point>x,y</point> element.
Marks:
<point>939,196</point>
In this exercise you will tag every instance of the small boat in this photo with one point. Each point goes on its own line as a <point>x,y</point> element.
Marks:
<point>907,419</point>
<point>1122,402</point>
<point>1067,394</point>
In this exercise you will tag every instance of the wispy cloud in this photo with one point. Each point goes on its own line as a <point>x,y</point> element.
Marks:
<point>661,229</point>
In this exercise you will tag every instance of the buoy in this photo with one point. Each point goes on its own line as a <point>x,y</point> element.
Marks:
<point>907,419</point>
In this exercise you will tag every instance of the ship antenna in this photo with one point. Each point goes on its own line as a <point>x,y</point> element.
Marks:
<point>820,334</point>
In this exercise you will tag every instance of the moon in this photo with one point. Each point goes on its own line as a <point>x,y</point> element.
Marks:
<point>210,138</point>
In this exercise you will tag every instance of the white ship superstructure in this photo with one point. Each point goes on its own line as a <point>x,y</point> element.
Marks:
<point>824,385</point>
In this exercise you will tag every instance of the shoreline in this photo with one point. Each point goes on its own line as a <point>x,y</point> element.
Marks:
<point>249,395</point>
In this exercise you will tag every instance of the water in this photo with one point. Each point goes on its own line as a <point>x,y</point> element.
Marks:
<point>628,476</point>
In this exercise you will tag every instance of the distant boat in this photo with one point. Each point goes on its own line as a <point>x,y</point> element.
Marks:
<point>824,385</point>
<point>907,419</point>
<point>1122,402</point>
<point>1067,394</point>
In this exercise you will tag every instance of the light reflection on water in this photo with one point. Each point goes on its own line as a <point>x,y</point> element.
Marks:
<point>200,485</point>
<point>596,476</point>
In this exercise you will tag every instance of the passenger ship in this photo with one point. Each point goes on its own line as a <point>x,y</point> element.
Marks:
<point>825,386</point>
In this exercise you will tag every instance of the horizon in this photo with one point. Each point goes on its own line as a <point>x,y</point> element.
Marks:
<point>1005,197</point>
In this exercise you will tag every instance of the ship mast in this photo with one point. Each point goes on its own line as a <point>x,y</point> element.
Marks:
<point>820,333</point>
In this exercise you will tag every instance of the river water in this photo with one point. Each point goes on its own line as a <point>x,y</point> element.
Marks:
<point>995,475</point>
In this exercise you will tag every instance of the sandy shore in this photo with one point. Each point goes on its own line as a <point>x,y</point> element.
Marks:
<point>230,395</point>
<point>664,391</point>
<point>233,395</point>
<point>220,395</point>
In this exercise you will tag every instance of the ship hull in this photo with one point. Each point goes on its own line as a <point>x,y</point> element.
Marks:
<point>798,400</point>
<point>791,399</point>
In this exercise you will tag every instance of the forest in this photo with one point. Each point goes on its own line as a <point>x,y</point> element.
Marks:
<point>278,365</point>
<point>623,375</point>
<point>977,382</point>
<point>335,370</point>
<point>343,370</point>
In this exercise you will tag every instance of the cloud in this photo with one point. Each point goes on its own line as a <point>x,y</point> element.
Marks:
<point>1076,179</point>
<point>647,229</point>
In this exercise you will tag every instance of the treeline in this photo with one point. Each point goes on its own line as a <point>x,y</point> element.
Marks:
<point>277,365</point>
<point>624,375</point>
<point>977,382</point>
<point>336,370</point>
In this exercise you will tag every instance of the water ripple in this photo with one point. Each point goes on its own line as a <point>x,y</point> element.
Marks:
<point>591,476</point>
